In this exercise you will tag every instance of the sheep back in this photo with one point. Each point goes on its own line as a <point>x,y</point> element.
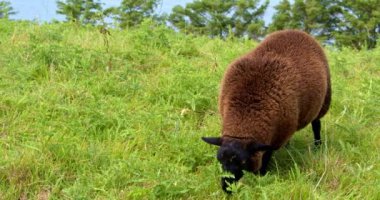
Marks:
<point>276,89</point>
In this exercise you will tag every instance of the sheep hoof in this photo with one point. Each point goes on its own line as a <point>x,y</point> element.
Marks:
<point>317,143</point>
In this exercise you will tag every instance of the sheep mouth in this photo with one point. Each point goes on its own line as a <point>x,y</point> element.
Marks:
<point>227,181</point>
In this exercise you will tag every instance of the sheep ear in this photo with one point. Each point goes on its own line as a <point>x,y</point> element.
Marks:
<point>259,147</point>
<point>213,140</point>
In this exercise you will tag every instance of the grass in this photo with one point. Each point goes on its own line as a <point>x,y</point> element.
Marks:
<point>79,120</point>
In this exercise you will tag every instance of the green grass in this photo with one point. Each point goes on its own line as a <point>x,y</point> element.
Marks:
<point>80,122</point>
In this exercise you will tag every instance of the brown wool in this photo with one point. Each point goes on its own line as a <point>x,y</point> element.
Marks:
<point>275,90</point>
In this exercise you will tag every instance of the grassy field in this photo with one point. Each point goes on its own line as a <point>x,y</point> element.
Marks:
<point>80,119</point>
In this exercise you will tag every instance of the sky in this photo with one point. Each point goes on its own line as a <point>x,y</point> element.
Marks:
<point>45,10</point>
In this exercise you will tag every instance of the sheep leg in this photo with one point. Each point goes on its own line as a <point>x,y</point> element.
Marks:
<point>264,163</point>
<point>316,125</point>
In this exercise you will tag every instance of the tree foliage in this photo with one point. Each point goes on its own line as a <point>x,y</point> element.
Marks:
<point>221,17</point>
<point>283,18</point>
<point>132,12</point>
<point>82,11</point>
<point>343,22</point>
<point>311,16</point>
<point>6,9</point>
<point>358,24</point>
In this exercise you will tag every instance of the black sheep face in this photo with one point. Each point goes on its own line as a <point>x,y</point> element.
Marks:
<point>235,158</point>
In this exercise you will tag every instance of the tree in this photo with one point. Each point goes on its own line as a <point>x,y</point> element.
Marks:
<point>248,19</point>
<point>358,23</point>
<point>220,18</point>
<point>132,12</point>
<point>343,22</point>
<point>6,9</point>
<point>311,16</point>
<point>283,17</point>
<point>83,11</point>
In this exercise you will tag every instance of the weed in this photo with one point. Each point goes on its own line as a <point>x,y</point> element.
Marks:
<point>72,126</point>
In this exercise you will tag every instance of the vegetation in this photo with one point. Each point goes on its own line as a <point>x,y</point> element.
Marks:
<point>80,11</point>
<point>86,115</point>
<point>221,18</point>
<point>312,16</point>
<point>6,9</point>
<point>360,24</point>
<point>342,23</point>
<point>132,12</point>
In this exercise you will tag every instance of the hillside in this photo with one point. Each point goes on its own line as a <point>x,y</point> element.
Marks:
<point>85,115</point>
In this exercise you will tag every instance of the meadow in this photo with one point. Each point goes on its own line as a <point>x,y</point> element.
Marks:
<point>90,115</point>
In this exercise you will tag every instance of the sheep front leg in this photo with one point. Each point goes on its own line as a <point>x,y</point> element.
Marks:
<point>316,125</point>
<point>264,164</point>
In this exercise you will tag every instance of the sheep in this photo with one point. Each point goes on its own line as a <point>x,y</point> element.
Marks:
<point>266,96</point>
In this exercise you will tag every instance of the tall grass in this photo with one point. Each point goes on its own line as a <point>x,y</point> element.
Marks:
<point>83,120</point>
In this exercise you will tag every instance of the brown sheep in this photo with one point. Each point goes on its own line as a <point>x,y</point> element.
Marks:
<point>266,96</point>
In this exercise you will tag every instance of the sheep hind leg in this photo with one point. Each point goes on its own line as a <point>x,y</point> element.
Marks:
<point>264,163</point>
<point>316,125</point>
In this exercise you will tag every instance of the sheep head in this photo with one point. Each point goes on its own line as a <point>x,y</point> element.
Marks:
<point>236,156</point>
